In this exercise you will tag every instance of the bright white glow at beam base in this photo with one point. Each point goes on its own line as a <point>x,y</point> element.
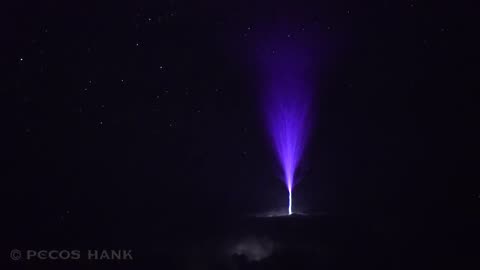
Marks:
<point>289,201</point>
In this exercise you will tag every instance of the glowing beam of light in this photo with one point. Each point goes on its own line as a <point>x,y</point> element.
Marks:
<point>287,102</point>
<point>289,202</point>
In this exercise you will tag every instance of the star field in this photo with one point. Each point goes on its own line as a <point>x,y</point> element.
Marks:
<point>118,112</point>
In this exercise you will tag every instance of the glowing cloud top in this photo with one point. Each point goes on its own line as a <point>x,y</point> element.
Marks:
<point>287,104</point>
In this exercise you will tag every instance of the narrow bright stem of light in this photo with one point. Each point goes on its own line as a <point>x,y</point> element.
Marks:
<point>289,202</point>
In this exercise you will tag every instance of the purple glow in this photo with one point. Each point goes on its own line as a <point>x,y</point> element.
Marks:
<point>287,104</point>
<point>287,126</point>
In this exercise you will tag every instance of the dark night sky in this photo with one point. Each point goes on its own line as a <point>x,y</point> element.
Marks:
<point>138,115</point>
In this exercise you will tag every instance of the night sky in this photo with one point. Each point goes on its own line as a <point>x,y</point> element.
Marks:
<point>129,119</point>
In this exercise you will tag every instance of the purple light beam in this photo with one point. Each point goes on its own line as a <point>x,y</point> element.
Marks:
<point>287,104</point>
